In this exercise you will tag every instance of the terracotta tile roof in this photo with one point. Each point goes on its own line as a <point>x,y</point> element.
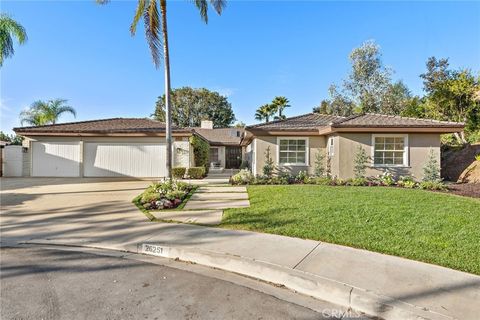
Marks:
<point>310,121</point>
<point>372,120</point>
<point>221,136</point>
<point>114,125</point>
<point>315,121</point>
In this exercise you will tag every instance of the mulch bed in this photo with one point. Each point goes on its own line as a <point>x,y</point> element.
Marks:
<point>465,189</point>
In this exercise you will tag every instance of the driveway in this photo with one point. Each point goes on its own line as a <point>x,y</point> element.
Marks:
<point>49,207</point>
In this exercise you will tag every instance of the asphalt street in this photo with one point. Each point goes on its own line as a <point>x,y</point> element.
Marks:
<point>39,283</point>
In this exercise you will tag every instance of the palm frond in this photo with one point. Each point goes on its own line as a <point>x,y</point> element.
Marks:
<point>218,5</point>
<point>152,31</point>
<point>139,11</point>
<point>9,28</point>
<point>202,6</point>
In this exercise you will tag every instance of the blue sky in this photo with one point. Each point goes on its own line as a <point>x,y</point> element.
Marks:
<point>83,52</point>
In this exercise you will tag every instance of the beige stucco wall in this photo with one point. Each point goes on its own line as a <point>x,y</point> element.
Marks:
<point>419,146</point>
<point>315,144</point>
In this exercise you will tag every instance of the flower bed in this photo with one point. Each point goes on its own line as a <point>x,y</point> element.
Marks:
<point>164,195</point>
<point>245,177</point>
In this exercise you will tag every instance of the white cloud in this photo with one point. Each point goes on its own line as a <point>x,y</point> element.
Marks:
<point>227,92</point>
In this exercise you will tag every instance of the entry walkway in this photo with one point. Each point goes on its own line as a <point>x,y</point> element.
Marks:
<point>207,204</point>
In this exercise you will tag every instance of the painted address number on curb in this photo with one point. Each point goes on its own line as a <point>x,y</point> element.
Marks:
<point>154,250</point>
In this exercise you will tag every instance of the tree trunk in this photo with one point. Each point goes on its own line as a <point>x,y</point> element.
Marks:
<point>168,111</point>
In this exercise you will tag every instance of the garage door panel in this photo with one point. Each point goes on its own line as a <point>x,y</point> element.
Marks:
<point>124,159</point>
<point>55,159</point>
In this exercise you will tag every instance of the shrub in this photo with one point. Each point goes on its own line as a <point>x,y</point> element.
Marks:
<point>269,165</point>
<point>431,170</point>
<point>477,157</point>
<point>163,195</point>
<point>242,177</point>
<point>201,152</point>
<point>433,185</point>
<point>179,172</point>
<point>360,162</point>
<point>149,196</point>
<point>386,178</point>
<point>407,182</point>
<point>319,165</point>
<point>357,182</point>
<point>302,176</point>
<point>324,181</point>
<point>244,165</point>
<point>196,172</point>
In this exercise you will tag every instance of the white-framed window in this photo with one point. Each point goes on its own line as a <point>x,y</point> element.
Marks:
<point>390,150</point>
<point>292,151</point>
<point>330,147</point>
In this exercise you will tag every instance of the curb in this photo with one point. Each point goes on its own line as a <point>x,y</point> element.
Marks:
<point>305,283</point>
<point>322,288</point>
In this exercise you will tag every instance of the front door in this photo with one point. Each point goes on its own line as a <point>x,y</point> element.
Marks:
<point>233,157</point>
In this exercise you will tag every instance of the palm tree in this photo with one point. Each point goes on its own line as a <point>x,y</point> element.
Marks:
<point>9,28</point>
<point>265,112</point>
<point>280,104</point>
<point>42,113</point>
<point>157,37</point>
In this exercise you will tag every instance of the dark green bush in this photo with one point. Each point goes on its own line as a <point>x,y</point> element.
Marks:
<point>196,172</point>
<point>201,152</point>
<point>179,172</point>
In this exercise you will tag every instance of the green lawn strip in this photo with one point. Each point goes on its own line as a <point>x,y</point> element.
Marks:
<point>151,217</point>
<point>416,224</point>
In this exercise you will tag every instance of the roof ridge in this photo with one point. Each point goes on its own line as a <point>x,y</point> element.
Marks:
<point>280,120</point>
<point>85,121</point>
<point>350,117</point>
<point>412,118</point>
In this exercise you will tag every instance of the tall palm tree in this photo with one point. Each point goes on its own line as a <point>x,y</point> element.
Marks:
<point>265,112</point>
<point>280,104</point>
<point>10,28</point>
<point>155,22</point>
<point>46,112</point>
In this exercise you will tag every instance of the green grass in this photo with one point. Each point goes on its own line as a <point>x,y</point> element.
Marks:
<point>417,224</point>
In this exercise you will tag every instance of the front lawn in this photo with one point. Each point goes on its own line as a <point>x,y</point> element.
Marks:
<point>417,224</point>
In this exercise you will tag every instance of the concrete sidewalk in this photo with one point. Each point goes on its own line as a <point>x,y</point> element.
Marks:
<point>381,285</point>
<point>100,214</point>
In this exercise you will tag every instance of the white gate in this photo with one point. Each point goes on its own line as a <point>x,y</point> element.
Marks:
<point>12,161</point>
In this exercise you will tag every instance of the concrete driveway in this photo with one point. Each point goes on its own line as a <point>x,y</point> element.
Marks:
<point>34,208</point>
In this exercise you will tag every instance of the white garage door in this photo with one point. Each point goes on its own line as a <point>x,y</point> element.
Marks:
<point>124,159</point>
<point>55,159</point>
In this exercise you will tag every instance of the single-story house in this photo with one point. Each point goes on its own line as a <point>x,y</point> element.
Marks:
<point>137,147</point>
<point>118,147</point>
<point>399,144</point>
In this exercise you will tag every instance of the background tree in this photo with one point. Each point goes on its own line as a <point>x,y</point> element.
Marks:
<point>279,104</point>
<point>265,112</point>
<point>156,33</point>
<point>46,112</point>
<point>190,106</point>
<point>368,88</point>
<point>240,124</point>
<point>10,28</point>
<point>11,139</point>
<point>451,95</point>
<point>323,108</point>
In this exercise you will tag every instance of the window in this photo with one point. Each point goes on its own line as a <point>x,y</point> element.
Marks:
<point>390,150</point>
<point>292,151</point>
<point>330,146</point>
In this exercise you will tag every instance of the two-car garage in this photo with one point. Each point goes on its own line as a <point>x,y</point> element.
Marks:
<point>98,159</point>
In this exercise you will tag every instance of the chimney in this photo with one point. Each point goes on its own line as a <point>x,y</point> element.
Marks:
<point>206,124</point>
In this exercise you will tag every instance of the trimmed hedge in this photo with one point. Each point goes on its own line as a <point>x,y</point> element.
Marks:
<point>201,152</point>
<point>179,172</point>
<point>196,172</point>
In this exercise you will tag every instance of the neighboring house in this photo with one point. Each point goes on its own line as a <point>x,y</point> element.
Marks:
<point>225,149</point>
<point>119,147</point>
<point>399,144</point>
